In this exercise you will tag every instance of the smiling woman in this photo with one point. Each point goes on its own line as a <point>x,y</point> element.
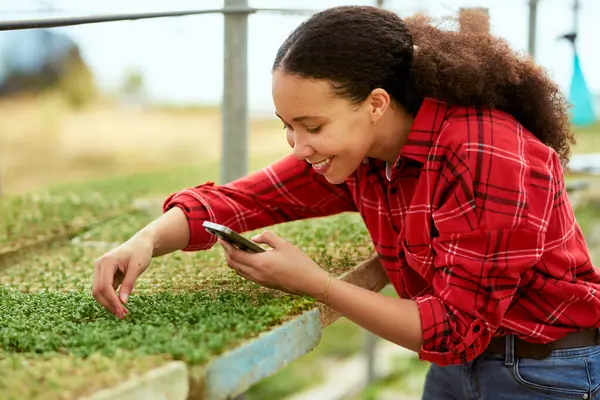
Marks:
<point>332,134</point>
<point>452,150</point>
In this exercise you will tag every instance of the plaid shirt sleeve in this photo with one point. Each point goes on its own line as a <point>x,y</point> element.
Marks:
<point>285,191</point>
<point>491,209</point>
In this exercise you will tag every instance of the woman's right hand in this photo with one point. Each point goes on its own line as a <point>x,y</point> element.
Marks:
<point>120,267</point>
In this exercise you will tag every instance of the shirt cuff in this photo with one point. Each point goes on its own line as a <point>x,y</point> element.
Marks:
<point>196,212</point>
<point>442,344</point>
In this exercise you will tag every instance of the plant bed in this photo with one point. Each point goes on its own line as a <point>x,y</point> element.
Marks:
<point>65,376</point>
<point>230,338</point>
<point>187,306</point>
<point>31,220</point>
<point>20,247</point>
<point>186,326</point>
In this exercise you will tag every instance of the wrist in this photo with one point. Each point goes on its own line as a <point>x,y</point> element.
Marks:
<point>321,288</point>
<point>146,238</point>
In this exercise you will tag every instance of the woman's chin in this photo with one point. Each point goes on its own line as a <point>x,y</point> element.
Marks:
<point>335,179</point>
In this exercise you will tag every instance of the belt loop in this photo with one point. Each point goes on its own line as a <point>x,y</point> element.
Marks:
<point>509,350</point>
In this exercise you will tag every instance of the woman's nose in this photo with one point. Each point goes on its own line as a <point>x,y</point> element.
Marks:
<point>301,149</point>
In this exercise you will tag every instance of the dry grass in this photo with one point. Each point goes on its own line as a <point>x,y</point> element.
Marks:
<point>44,142</point>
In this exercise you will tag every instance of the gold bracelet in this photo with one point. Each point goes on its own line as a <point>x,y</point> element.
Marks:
<point>327,288</point>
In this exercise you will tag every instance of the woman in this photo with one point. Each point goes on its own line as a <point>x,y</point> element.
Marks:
<point>452,149</point>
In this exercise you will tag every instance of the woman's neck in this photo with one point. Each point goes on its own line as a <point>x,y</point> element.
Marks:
<point>391,133</point>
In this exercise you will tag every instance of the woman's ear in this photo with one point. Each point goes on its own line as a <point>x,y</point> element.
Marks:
<point>379,101</point>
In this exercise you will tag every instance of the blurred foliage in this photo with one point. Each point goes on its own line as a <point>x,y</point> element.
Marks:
<point>405,382</point>
<point>76,84</point>
<point>133,83</point>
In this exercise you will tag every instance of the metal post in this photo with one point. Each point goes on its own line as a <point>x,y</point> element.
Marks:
<point>576,6</point>
<point>532,27</point>
<point>234,155</point>
<point>234,161</point>
<point>369,350</point>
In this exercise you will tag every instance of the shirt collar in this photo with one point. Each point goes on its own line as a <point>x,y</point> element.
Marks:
<point>423,132</point>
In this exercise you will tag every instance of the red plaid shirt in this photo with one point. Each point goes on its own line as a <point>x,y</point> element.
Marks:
<point>472,222</point>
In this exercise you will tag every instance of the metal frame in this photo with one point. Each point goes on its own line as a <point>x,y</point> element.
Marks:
<point>231,7</point>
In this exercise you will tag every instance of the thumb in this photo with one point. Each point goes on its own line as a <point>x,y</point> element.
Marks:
<point>270,239</point>
<point>133,271</point>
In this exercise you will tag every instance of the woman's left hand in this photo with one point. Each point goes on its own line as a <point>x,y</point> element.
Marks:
<point>285,267</point>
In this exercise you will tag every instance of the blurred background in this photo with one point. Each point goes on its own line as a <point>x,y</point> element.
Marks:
<point>106,98</point>
<point>111,99</point>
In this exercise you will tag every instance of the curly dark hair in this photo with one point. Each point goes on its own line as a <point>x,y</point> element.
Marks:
<point>360,48</point>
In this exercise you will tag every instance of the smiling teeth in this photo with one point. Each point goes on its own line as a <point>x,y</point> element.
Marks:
<point>322,163</point>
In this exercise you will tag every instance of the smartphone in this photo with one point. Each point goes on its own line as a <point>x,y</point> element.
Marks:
<point>232,237</point>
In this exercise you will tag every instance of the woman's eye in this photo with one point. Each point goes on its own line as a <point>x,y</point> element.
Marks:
<point>313,130</point>
<point>286,126</point>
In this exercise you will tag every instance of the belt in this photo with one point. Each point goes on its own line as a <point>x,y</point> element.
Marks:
<point>538,351</point>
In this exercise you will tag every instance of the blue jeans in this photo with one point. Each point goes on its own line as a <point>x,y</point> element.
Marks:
<point>565,374</point>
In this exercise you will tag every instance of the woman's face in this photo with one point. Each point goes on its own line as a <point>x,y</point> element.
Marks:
<point>326,130</point>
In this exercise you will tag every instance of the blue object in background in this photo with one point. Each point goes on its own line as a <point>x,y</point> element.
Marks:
<point>582,100</point>
<point>32,52</point>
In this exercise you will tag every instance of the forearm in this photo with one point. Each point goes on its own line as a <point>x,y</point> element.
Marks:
<point>396,320</point>
<point>168,233</point>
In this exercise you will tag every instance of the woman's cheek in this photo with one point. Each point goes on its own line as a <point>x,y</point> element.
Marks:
<point>290,138</point>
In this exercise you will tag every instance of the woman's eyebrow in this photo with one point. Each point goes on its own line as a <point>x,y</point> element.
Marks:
<point>302,118</point>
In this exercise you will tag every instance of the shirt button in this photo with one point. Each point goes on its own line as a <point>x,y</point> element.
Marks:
<point>476,328</point>
<point>585,396</point>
